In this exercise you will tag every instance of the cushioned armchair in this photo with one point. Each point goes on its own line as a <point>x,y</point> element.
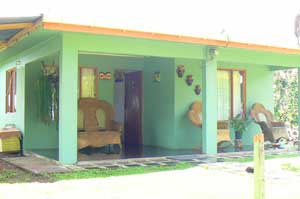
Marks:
<point>195,116</point>
<point>273,130</point>
<point>96,127</point>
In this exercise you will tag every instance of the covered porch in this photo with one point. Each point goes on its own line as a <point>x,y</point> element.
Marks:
<point>165,128</point>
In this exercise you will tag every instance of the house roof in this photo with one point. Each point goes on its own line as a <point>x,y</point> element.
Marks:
<point>13,29</point>
<point>166,37</point>
<point>267,23</point>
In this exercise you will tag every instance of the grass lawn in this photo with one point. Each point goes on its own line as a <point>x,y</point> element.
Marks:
<point>267,157</point>
<point>11,174</point>
<point>291,167</point>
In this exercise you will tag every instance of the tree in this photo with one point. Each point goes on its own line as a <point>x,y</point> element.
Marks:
<point>286,96</point>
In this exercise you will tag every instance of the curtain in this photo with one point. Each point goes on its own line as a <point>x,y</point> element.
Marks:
<point>237,90</point>
<point>223,89</point>
<point>88,83</point>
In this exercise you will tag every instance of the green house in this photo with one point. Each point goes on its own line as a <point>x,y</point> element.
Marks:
<point>137,73</point>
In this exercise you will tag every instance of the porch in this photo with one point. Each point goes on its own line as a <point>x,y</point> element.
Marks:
<point>225,79</point>
<point>165,98</point>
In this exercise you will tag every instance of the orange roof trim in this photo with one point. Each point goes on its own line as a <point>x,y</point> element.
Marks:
<point>165,37</point>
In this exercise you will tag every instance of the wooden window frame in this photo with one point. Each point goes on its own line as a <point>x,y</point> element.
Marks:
<point>96,79</point>
<point>11,90</point>
<point>243,73</point>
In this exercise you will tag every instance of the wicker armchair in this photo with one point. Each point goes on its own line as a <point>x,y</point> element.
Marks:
<point>195,116</point>
<point>98,128</point>
<point>273,130</point>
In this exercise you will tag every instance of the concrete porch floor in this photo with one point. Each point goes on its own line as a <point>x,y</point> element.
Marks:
<point>40,165</point>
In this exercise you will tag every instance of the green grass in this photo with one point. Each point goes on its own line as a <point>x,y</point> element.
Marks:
<point>267,157</point>
<point>103,173</point>
<point>290,167</point>
<point>16,175</point>
<point>19,176</point>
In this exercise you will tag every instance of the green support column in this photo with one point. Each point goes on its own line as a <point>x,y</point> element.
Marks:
<point>68,83</point>
<point>210,116</point>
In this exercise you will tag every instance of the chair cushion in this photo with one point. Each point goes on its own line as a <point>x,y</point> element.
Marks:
<point>101,118</point>
<point>80,119</point>
<point>262,117</point>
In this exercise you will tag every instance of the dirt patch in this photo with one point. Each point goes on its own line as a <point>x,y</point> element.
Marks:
<point>4,165</point>
<point>12,174</point>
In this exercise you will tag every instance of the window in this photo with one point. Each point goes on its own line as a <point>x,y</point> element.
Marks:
<point>11,90</point>
<point>88,82</point>
<point>231,93</point>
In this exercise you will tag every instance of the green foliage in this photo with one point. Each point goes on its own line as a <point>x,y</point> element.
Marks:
<point>240,123</point>
<point>47,97</point>
<point>267,157</point>
<point>103,173</point>
<point>286,96</point>
<point>18,176</point>
<point>291,167</point>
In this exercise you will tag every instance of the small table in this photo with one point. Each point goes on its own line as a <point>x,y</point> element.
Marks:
<point>11,140</point>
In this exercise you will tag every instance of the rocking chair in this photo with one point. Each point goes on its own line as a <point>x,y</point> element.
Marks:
<point>195,116</point>
<point>274,131</point>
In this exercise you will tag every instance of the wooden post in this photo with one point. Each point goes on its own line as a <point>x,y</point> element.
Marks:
<point>259,161</point>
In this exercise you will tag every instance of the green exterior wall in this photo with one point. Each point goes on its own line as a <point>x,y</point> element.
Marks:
<point>110,64</point>
<point>187,134</point>
<point>159,109</point>
<point>38,134</point>
<point>41,44</point>
<point>158,101</point>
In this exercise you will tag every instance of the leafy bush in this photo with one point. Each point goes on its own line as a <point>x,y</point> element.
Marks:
<point>286,95</point>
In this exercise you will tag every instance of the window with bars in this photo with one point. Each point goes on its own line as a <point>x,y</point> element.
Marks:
<point>11,90</point>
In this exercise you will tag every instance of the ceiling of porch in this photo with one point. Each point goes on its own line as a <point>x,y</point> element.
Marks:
<point>12,29</point>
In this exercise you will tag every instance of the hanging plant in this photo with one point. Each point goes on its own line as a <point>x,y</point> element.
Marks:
<point>47,89</point>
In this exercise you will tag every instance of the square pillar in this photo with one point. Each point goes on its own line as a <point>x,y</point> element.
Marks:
<point>209,104</point>
<point>68,84</point>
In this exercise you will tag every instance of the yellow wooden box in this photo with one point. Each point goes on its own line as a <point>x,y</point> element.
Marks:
<point>10,140</point>
<point>10,144</point>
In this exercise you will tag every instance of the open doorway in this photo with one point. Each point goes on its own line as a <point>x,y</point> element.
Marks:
<point>128,105</point>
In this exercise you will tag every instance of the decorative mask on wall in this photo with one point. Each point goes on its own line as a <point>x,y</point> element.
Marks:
<point>101,75</point>
<point>156,76</point>
<point>119,76</point>
<point>180,70</point>
<point>189,80</point>
<point>105,76</point>
<point>108,75</point>
<point>197,89</point>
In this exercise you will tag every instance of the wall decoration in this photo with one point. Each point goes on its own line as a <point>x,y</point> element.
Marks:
<point>119,76</point>
<point>101,75</point>
<point>105,75</point>
<point>180,70</point>
<point>156,76</point>
<point>197,89</point>
<point>189,80</point>
<point>108,75</point>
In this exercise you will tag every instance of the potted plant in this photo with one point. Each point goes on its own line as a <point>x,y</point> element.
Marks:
<point>240,124</point>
